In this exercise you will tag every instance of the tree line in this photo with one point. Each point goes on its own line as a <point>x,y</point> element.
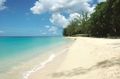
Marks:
<point>103,22</point>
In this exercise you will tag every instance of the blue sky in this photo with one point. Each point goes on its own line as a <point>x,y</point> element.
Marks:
<point>40,17</point>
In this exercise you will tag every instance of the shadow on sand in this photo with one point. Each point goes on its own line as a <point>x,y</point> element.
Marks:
<point>81,71</point>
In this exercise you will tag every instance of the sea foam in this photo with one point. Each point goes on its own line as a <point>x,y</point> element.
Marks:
<point>42,65</point>
<point>38,67</point>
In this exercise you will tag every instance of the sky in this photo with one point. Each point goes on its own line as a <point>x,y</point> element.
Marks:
<point>40,17</point>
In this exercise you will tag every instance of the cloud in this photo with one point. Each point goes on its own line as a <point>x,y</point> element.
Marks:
<point>42,6</point>
<point>2,4</point>
<point>57,8</point>
<point>53,30</point>
<point>58,20</point>
<point>72,16</point>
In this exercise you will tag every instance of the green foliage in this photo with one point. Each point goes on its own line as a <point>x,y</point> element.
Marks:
<point>105,21</point>
<point>99,21</point>
<point>77,25</point>
<point>72,28</point>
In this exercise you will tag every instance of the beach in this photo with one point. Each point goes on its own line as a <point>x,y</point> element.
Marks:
<point>20,57</point>
<point>86,58</point>
<point>60,39</point>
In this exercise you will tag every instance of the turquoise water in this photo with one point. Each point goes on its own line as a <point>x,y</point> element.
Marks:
<point>10,46</point>
<point>12,49</point>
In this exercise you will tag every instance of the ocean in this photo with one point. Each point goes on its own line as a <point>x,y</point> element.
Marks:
<point>18,55</point>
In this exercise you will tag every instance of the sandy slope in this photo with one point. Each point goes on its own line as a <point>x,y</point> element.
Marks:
<point>87,58</point>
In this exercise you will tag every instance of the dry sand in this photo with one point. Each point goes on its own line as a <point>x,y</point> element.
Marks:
<point>86,58</point>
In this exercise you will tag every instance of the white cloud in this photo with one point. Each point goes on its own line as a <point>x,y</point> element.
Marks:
<point>2,4</point>
<point>57,7</point>
<point>38,8</point>
<point>73,16</point>
<point>58,20</point>
<point>41,6</point>
<point>53,30</point>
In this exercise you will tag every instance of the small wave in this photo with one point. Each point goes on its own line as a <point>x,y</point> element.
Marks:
<point>38,67</point>
<point>42,65</point>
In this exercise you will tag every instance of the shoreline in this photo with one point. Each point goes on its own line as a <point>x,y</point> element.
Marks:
<point>51,55</point>
<point>86,58</point>
<point>38,59</point>
<point>44,63</point>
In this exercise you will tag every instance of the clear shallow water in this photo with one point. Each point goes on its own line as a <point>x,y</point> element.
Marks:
<point>10,46</point>
<point>13,49</point>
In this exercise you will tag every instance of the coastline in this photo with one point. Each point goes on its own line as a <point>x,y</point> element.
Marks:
<point>86,58</point>
<point>29,61</point>
<point>51,54</point>
<point>48,58</point>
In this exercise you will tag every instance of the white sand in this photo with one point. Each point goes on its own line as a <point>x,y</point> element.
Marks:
<point>87,58</point>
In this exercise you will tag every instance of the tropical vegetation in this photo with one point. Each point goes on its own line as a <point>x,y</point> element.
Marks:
<point>103,22</point>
